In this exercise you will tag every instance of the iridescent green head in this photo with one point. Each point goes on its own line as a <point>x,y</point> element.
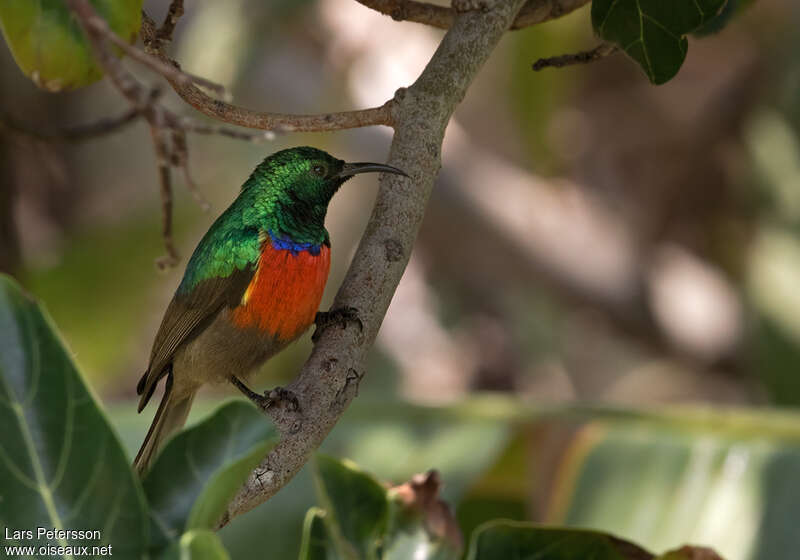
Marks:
<point>289,192</point>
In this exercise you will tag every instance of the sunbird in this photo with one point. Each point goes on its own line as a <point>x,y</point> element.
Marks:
<point>252,286</point>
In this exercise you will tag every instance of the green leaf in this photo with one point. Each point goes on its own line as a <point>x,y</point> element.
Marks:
<point>356,505</point>
<point>364,520</point>
<point>48,43</point>
<point>201,468</point>
<point>663,485</point>
<point>196,545</point>
<point>508,539</point>
<point>652,32</point>
<point>61,465</point>
<point>317,543</point>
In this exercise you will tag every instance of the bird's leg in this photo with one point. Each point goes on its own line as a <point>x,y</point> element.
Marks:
<point>340,316</point>
<point>257,399</point>
<point>269,398</point>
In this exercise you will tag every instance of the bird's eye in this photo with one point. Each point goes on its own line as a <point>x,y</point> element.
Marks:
<point>319,170</point>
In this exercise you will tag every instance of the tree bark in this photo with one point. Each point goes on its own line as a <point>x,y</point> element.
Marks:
<point>329,379</point>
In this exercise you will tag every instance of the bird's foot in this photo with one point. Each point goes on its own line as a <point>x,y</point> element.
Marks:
<point>269,398</point>
<point>339,316</point>
<point>278,395</point>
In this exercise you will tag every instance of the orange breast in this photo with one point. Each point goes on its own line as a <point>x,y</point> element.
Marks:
<point>283,296</point>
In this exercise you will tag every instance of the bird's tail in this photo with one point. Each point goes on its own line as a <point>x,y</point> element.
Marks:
<point>170,417</point>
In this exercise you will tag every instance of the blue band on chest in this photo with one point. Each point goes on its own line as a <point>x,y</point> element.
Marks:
<point>283,243</point>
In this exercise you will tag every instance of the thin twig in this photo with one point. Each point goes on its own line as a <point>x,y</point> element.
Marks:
<point>532,13</point>
<point>180,158</point>
<point>169,71</point>
<point>584,57</point>
<point>167,28</point>
<point>76,133</point>
<point>168,129</point>
<point>190,125</point>
<point>165,187</point>
<point>241,116</point>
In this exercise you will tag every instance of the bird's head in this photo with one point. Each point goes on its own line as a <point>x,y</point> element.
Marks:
<point>303,180</point>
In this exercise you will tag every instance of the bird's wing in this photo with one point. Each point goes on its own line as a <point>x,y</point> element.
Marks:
<point>185,318</point>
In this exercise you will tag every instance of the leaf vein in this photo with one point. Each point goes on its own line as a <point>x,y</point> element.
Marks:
<point>608,15</point>
<point>69,434</point>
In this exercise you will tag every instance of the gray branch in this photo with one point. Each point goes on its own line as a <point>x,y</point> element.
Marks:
<point>329,379</point>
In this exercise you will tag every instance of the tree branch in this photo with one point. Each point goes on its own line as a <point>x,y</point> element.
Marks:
<point>167,28</point>
<point>165,188</point>
<point>76,133</point>
<point>539,11</point>
<point>168,129</point>
<point>533,12</point>
<point>241,116</point>
<point>156,65</point>
<point>584,57</point>
<point>329,379</point>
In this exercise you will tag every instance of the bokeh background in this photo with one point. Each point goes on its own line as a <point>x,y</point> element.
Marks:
<point>600,322</point>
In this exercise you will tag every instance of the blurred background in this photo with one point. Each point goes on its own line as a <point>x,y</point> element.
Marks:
<point>600,323</point>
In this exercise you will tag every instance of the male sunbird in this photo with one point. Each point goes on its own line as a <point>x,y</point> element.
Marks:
<point>252,285</point>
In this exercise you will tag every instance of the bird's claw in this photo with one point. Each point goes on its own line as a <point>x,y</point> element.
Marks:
<point>279,394</point>
<point>270,397</point>
<point>340,316</point>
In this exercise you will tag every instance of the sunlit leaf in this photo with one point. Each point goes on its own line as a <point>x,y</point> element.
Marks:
<point>356,506</point>
<point>48,43</point>
<point>664,485</point>
<point>317,543</point>
<point>61,465</point>
<point>196,545</point>
<point>201,468</point>
<point>653,32</point>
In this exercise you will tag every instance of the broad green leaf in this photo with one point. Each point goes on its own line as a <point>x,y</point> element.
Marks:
<point>201,468</point>
<point>48,43</point>
<point>396,439</point>
<point>196,545</point>
<point>664,485</point>
<point>61,465</point>
<point>317,543</point>
<point>653,32</point>
<point>356,505</point>
<point>508,539</point>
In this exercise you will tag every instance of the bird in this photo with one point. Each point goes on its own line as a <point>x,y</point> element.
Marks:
<point>252,285</point>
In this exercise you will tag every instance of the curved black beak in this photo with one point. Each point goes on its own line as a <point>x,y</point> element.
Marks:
<point>350,169</point>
